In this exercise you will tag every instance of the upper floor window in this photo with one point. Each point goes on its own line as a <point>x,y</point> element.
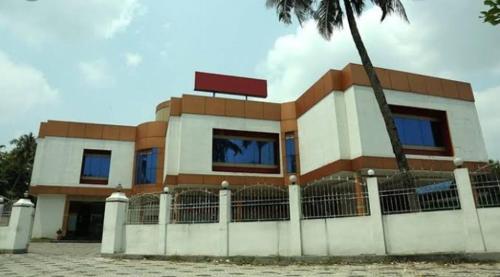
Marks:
<point>95,166</point>
<point>241,151</point>
<point>422,131</point>
<point>146,166</point>
<point>291,162</point>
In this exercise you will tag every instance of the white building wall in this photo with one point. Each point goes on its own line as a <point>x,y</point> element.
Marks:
<point>172,146</point>
<point>319,135</point>
<point>49,215</point>
<point>58,161</point>
<point>189,141</point>
<point>463,122</point>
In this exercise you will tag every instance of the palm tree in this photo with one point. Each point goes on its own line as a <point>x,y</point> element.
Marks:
<point>329,15</point>
<point>17,165</point>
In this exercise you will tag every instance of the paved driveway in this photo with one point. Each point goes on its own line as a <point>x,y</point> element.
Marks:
<point>69,259</point>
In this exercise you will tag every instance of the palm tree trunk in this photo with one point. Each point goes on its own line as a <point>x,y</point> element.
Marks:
<point>378,90</point>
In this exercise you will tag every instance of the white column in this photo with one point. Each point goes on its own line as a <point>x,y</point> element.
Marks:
<point>378,237</point>
<point>295,203</point>
<point>115,214</point>
<point>224,218</point>
<point>475,241</point>
<point>19,229</point>
<point>164,218</point>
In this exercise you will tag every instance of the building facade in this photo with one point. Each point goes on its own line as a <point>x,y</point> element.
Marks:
<point>333,128</point>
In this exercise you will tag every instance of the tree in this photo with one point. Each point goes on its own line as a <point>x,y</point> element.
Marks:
<point>328,15</point>
<point>492,15</point>
<point>16,166</point>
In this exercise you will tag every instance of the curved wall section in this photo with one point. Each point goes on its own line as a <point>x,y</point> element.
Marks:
<point>151,135</point>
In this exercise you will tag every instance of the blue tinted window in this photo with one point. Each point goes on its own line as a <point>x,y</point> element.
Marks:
<point>146,166</point>
<point>291,164</point>
<point>417,131</point>
<point>244,151</point>
<point>96,164</point>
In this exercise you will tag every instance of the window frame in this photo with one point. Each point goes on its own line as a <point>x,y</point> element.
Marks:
<point>432,115</point>
<point>94,180</point>
<point>247,168</point>
<point>137,152</point>
<point>291,135</point>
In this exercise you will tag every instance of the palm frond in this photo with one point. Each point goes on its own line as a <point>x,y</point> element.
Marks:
<point>358,6</point>
<point>283,9</point>
<point>303,10</point>
<point>391,6</point>
<point>328,16</point>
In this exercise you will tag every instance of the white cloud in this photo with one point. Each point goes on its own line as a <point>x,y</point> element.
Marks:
<point>96,73</point>
<point>22,88</point>
<point>489,115</point>
<point>133,59</point>
<point>37,21</point>
<point>457,46</point>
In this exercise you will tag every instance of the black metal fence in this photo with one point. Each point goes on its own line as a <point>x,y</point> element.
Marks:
<point>195,206</point>
<point>486,188</point>
<point>337,197</point>
<point>410,193</point>
<point>260,203</point>
<point>143,209</point>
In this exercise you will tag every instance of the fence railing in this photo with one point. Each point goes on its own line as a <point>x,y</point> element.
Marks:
<point>143,209</point>
<point>260,203</point>
<point>345,197</point>
<point>195,206</point>
<point>410,193</point>
<point>6,211</point>
<point>486,188</point>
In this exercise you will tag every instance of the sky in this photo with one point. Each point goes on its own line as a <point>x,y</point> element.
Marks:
<point>113,61</point>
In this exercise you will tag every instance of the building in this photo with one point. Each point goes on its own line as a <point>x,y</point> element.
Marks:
<point>332,128</point>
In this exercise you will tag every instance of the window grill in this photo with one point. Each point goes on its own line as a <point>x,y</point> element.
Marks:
<point>486,188</point>
<point>410,193</point>
<point>260,203</point>
<point>195,206</point>
<point>331,198</point>
<point>143,209</point>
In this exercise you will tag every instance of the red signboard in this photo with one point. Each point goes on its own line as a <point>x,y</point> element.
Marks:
<point>230,84</point>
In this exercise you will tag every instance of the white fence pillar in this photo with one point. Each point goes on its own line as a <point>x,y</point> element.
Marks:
<point>16,237</point>
<point>115,215</point>
<point>164,219</point>
<point>295,203</point>
<point>475,241</point>
<point>224,218</point>
<point>378,236</point>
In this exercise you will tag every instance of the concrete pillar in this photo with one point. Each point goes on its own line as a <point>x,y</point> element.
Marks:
<point>115,215</point>
<point>475,240</point>
<point>224,218</point>
<point>164,218</point>
<point>18,234</point>
<point>378,236</point>
<point>295,203</point>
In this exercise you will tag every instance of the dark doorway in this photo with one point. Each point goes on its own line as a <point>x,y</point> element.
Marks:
<point>85,221</point>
